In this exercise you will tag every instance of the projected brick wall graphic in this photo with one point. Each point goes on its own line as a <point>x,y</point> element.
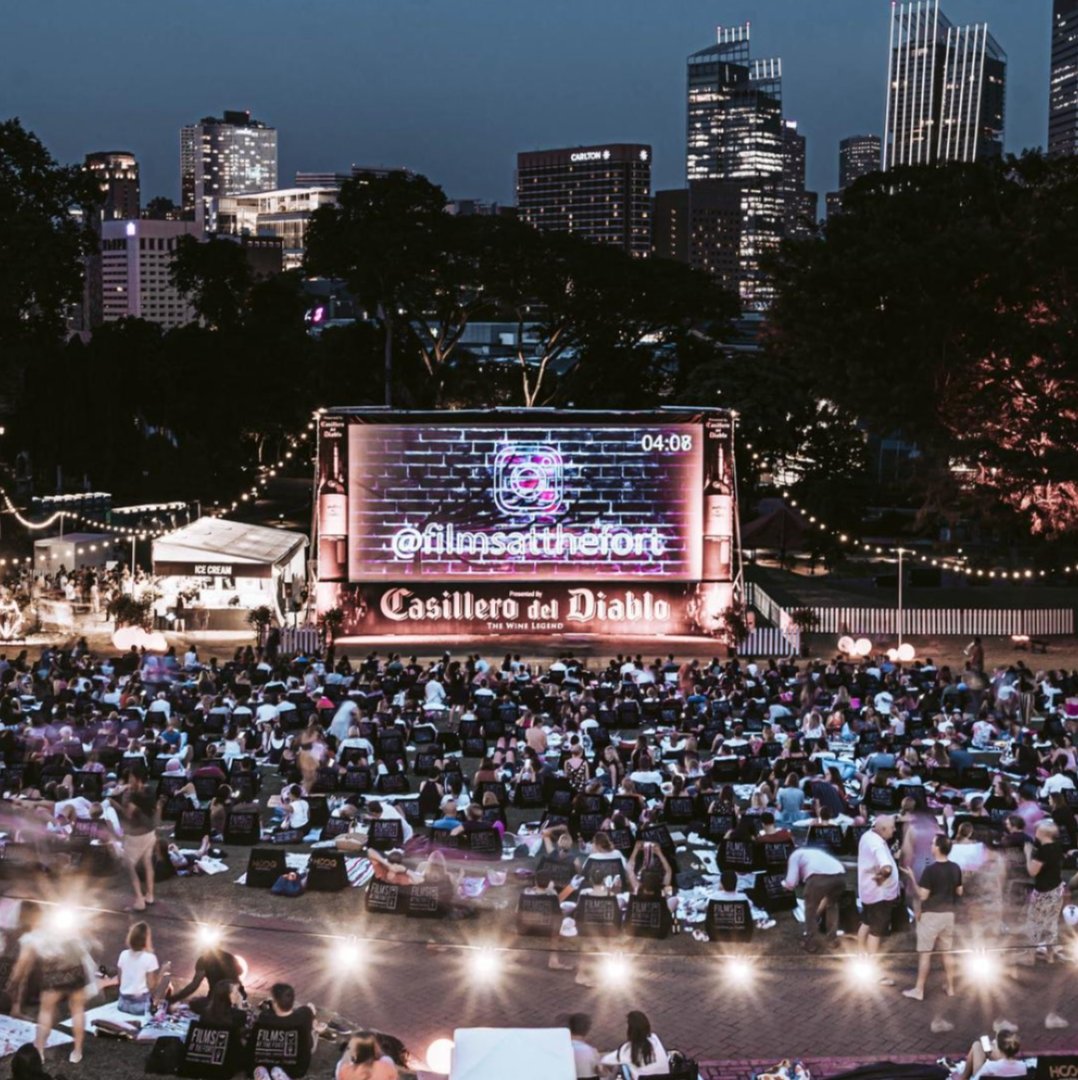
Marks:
<point>464,502</point>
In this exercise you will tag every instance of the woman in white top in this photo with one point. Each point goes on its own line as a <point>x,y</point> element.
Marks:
<point>642,1052</point>
<point>139,971</point>
<point>297,811</point>
<point>1002,1059</point>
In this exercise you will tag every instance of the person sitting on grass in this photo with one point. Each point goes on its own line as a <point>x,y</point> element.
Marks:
<point>279,1011</point>
<point>1001,1058</point>
<point>363,1059</point>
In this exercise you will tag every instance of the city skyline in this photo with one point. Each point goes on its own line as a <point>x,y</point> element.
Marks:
<point>534,79</point>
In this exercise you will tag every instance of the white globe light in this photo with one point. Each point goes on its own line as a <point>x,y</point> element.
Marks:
<point>906,652</point>
<point>156,642</point>
<point>892,655</point>
<point>846,644</point>
<point>440,1056</point>
<point>126,636</point>
<point>862,647</point>
<point>1070,915</point>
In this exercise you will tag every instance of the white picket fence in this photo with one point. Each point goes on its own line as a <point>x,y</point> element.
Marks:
<point>941,622</point>
<point>929,622</point>
<point>770,641</point>
<point>300,639</point>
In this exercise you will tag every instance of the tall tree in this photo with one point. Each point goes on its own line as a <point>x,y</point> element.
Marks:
<point>42,237</point>
<point>942,304</point>
<point>595,308</point>
<point>217,276</point>
<point>386,239</point>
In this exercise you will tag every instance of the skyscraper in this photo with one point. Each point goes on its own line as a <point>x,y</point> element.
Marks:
<point>799,205</point>
<point>946,88</point>
<point>136,259</point>
<point>858,155</point>
<point>233,155</point>
<point>1063,103</point>
<point>116,172</point>
<point>602,193</point>
<point>736,133</point>
<point>670,225</point>
<point>735,111</point>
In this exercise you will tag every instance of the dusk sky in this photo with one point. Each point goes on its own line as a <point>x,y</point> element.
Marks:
<point>454,88</point>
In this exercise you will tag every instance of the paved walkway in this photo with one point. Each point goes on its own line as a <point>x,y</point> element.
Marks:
<point>791,1007</point>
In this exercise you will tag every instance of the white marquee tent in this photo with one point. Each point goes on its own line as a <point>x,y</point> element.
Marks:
<point>512,1054</point>
<point>233,564</point>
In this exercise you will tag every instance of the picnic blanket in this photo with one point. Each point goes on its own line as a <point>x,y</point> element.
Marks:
<point>359,868</point>
<point>144,1028</point>
<point>13,1033</point>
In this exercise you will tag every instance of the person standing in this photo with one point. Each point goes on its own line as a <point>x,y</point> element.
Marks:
<point>138,814</point>
<point>824,878</point>
<point>64,970</point>
<point>974,652</point>
<point>139,971</point>
<point>1044,863</point>
<point>877,886</point>
<point>937,892</point>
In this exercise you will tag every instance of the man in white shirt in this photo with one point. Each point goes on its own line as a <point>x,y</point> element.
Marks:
<point>346,715</point>
<point>877,886</point>
<point>434,695</point>
<point>1057,782</point>
<point>824,878</point>
<point>585,1055</point>
<point>161,705</point>
<point>266,713</point>
<point>884,701</point>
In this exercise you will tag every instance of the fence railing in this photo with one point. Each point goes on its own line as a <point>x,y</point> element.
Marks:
<point>300,639</point>
<point>770,641</point>
<point>782,638</point>
<point>937,622</point>
<point>772,611</point>
<point>987,622</point>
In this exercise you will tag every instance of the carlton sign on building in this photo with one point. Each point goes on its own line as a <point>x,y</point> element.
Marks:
<point>526,522</point>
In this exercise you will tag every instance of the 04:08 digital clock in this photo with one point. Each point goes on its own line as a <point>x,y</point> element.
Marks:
<point>667,442</point>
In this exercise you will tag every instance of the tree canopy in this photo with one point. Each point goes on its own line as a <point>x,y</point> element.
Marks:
<point>43,235</point>
<point>424,274</point>
<point>941,305</point>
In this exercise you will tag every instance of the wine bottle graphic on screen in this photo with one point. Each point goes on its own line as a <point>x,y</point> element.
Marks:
<point>332,518</point>
<point>718,515</point>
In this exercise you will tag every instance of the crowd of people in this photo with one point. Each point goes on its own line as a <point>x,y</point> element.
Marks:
<point>950,789</point>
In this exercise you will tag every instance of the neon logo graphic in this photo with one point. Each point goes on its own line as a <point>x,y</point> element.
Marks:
<point>529,480</point>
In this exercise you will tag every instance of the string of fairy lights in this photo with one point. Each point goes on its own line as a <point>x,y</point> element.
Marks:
<point>299,451</point>
<point>955,564</point>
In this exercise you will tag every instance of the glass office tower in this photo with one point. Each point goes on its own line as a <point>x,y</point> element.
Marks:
<point>1063,100</point>
<point>946,89</point>
<point>736,134</point>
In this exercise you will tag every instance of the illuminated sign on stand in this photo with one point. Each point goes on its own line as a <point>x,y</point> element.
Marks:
<point>529,522</point>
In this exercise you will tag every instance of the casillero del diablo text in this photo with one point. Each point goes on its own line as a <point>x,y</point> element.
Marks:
<point>583,605</point>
